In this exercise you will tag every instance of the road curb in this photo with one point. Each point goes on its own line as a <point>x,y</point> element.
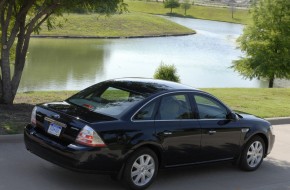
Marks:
<point>11,138</point>
<point>279,120</point>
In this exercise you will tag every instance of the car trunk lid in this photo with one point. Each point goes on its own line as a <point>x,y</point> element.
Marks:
<point>62,121</point>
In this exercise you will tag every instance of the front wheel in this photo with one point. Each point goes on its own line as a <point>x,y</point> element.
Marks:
<point>253,154</point>
<point>141,169</point>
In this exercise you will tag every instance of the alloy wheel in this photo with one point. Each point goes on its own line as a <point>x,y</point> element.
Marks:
<point>255,154</point>
<point>143,170</point>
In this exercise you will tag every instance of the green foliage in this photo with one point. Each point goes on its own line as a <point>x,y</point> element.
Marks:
<point>166,72</point>
<point>185,5</point>
<point>266,42</point>
<point>171,4</point>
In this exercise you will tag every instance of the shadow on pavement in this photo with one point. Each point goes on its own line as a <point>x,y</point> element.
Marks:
<point>213,176</point>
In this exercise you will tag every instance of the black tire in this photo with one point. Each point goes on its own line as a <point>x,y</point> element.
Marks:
<point>251,158</point>
<point>135,157</point>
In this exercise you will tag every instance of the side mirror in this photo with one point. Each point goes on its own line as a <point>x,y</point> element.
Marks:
<point>232,116</point>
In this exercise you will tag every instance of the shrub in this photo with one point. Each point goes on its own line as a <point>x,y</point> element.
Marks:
<point>166,72</point>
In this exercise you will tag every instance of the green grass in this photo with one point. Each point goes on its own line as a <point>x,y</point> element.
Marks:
<point>121,25</point>
<point>33,98</point>
<point>200,12</point>
<point>141,20</point>
<point>263,102</point>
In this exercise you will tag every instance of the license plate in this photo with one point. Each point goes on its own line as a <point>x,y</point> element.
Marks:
<point>54,129</point>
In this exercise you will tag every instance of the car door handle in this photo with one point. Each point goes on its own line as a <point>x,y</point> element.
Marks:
<point>212,132</point>
<point>167,133</point>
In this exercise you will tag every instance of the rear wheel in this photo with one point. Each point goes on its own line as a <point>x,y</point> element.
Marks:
<point>141,169</point>
<point>253,154</point>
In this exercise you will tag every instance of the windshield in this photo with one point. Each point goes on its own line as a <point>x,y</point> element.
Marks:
<point>108,100</point>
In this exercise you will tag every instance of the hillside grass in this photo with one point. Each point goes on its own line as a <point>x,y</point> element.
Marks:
<point>120,25</point>
<point>141,20</point>
<point>224,14</point>
<point>262,102</point>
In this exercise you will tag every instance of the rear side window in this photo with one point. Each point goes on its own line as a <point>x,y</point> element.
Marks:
<point>175,107</point>
<point>147,112</point>
<point>208,108</point>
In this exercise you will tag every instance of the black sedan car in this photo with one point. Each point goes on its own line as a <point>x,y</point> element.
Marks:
<point>132,127</point>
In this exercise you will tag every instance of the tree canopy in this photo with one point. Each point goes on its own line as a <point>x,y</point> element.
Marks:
<point>186,5</point>
<point>20,18</point>
<point>266,42</point>
<point>171,4</point>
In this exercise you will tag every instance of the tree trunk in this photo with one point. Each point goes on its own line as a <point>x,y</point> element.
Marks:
<point>171,10</point>
<point>7,97</point>
<point>0,86</point>
<point>184,11</point>
<point>17,75</point>
<point>271,82</point>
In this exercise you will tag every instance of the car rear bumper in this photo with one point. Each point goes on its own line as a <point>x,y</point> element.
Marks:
<point>73,157</point>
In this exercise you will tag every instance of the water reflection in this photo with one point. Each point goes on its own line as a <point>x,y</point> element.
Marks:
<point>202,60</point>
<point>62,64</point>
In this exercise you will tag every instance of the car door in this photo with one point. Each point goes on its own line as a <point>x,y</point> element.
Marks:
<point>220,136</point>
<point>177,130</point>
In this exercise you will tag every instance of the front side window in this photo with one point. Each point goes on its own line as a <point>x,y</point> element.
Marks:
<point>174,107</point>
<point>106,100</point>
<point>208,108</point>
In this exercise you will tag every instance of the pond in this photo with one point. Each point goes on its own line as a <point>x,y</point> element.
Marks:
<point>202,60</point>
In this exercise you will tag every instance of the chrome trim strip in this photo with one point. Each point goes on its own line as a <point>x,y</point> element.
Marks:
<point>56,122</point>
<point>195,163</point>
<point>180,120</point>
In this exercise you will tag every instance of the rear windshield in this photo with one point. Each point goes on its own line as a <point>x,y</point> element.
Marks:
<point>108,100</point>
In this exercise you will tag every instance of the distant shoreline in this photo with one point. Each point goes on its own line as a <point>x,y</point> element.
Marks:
<point>109,37</point>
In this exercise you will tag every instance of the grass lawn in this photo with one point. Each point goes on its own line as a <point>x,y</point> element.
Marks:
<point>121,25</point>
<point>262,102</point>
<point>141,20</point>
<point>201,12</point>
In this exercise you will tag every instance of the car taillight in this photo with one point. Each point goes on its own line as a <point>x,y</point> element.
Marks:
<point>89,137</point>
<point>33,116</point>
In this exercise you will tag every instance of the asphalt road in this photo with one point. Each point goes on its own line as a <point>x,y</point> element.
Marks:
<point>20,169</point>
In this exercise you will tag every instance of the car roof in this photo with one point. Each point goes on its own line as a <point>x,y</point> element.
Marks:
<point>146,85</point>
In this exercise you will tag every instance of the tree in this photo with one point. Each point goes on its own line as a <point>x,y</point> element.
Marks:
<point>166,72</point>
<point>20,18</point>
<point>266,42</point>
<point>171,4</point>
<point>186,5</point>
<point>232,5</point>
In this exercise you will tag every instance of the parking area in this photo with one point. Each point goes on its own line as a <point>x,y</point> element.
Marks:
<point>20,169</point>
